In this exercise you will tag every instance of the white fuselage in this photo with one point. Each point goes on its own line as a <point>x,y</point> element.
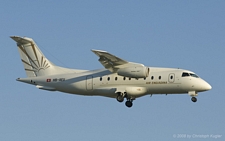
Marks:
<point>104,83</point>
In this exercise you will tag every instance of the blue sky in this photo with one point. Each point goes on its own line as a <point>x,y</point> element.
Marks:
<point>177,34</point>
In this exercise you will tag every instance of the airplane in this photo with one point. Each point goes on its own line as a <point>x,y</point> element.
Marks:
<point>118,79</point>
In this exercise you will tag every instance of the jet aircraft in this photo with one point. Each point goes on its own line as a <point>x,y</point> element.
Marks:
<point>119,79</point>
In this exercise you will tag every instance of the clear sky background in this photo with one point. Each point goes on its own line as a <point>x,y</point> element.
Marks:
<point>176,34</point>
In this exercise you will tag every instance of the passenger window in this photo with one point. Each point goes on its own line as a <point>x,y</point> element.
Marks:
<point>185,74</point>
<point>116,78</point>
<point>129,78</point>
<point>108,78</point>
<point>124,78</point>
<point>100,78</point>
<point>171,77</point>
<point>159,77</point>
<point>152,77</point>
<point>145,78</point>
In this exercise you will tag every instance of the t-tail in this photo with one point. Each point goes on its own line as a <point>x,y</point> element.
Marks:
<point>34,61</point>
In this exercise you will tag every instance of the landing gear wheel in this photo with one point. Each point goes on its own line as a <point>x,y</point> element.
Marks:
<point>194,99</point>
<point>120,98</point>
<point>129,104</point>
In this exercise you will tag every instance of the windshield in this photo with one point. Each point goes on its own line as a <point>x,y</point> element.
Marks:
<point>185,74</point>
<point>194,75</point>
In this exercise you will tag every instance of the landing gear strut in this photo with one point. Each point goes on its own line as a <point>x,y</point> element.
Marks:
<point>193,94</point>
<point>194,99</point>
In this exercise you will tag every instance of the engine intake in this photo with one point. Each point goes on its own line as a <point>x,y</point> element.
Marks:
<point>134,72</point>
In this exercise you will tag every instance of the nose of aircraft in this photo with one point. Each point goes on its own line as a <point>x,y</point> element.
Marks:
<point>206,86</point>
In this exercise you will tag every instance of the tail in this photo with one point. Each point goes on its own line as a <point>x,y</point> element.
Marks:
<point>34,61</point>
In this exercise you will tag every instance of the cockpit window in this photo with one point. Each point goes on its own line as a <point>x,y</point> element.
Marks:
<point>185,74</point>
<point>194,75</point>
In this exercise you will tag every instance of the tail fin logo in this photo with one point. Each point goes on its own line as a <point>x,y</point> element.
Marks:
<point>34,60</point>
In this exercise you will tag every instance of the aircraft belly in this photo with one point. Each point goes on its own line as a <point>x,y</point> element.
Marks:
<point>107,92</point>
<point>165,89</point>
<point>80,88</point>
<point>73,88</point>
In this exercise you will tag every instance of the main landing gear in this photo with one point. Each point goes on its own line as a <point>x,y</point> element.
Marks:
<point>120,98</point>
<point>129,103</point>
<point>194,99</point>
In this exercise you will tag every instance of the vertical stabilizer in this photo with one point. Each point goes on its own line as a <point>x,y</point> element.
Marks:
<point>34,61</point>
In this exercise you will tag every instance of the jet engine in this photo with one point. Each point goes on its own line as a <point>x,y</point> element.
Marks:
<point>134,72</point>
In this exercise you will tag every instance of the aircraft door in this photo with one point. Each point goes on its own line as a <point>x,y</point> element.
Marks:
<point>89,82</point>
<point>171,78</point>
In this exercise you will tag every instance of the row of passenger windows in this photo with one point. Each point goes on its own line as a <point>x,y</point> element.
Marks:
<point>184,74</point>
<point>125,78</point>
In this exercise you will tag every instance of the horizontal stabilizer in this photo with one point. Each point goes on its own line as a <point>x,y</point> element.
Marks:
<point>45,88</point>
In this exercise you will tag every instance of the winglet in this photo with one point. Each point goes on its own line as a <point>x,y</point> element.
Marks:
<point>95,50</point>
<point>99,52</point>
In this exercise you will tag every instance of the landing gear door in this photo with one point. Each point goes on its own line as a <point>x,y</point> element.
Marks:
<point>89,82</point>
<point>171,78</point>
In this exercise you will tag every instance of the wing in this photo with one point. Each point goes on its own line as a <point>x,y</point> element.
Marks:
<point>112,62</point>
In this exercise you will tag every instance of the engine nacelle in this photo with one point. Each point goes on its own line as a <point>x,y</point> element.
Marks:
<point>134,72</point>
